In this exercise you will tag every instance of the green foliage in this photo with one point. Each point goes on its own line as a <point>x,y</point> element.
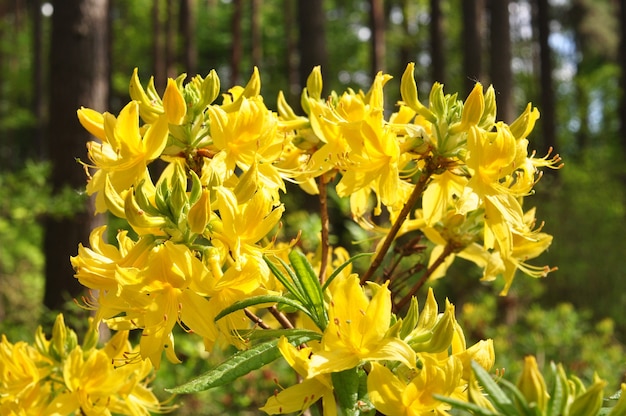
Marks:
<point>561,334</point>
<point>242,397</point>
<point>25,200</point>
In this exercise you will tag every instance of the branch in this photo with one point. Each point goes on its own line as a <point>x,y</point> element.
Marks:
<point>258,321</point>
<point>418,190</point>
<point>280,317</point>
<point>448,249</point>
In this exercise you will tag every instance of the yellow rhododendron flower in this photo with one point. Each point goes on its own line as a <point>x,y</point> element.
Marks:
<point>301,396</point>
<point>357,330</point>
<point>395,397</point>
<point>125,150</point>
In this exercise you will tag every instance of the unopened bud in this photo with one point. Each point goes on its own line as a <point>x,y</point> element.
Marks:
<point>199,213</point>
<point>174,103</point>
<point>532,384</point>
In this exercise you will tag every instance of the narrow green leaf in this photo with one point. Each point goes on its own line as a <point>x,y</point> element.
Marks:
<point>557,394</point>
<point>520,400</point>
<point>294,279</point>
<point>497,396</point>
<point>470,407</point>
<point>257,300</point>
<point>284,280</point>
<point>238,365</point>
<point>346,387</point>
<point>343,266</point>
<point>259,334</point>
<point>310,283</point>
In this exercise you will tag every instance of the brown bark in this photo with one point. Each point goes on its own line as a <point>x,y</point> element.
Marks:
<point>500,58</point>
<point>158,57</point>
<point>621,56</point>
<point>377,26</point>
<point>312,37</point>
<point>39,96</point>
<point>237,46</point>
<point>292,53</point>
<point>187,27</point>
<point>437,53</point>
<point>171,40</point>
<point>256,33</point>
<point>547,103</point>
<point>472,45</point>
<point>78,76</point>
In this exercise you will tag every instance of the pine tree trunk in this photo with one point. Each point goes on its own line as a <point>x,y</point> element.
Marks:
<point>548,113</point>
<point>437,53</point>
<point>312,37</point>
<point>377,26</point>
<point>187,27</point>
<point>256,33</point>
<point>78,76</point>
<point>500,58</point>
<point>237,47</point>
<point>158,56</point>
<point>622,66</point>
<point>472,45</point>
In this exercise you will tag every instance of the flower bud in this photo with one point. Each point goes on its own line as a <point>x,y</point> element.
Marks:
<point>408,90</point>
<point>247,185</point>
<point>199,213</point>
<point>590,402</point>
<point>314,83</point>
<point>532,385</point>
<point>473,107</point>
<point>174,103</point>
<point>63,339</point>
<point>442,333</point>
<point>210,88</point>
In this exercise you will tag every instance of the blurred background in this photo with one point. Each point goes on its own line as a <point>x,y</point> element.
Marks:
<point>568,57</point>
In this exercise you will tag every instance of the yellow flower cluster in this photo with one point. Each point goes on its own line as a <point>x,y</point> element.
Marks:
<point>60,377</point>
<point>427,349</point>
<point>202,230</point>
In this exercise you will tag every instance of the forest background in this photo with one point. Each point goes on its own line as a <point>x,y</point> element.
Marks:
<point>568,57</point>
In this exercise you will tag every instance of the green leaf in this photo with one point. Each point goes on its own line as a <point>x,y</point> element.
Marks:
<point>343,266</point>
<point>470,407</point>
<point>521,401</point>
<point>499,399</point>
<point>346,386</point>
<point>257,300</point>
<point>286,282</point>
<point>239,364</point>
<point>557,394</point>
<point>258,334</point>
<point>311,285</point>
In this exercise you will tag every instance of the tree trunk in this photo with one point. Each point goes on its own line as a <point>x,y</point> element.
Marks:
<point>547,103</point>
<point>472,44</point>
<point>39,98</point>
<point>312,37</point>
<point>237,47</point>
<point>78,70</point>
<point>500,58</point>
<point>187,26</point>
<point>377,26</point>
<point>159,70</point>
<point>256,33</point>
<point>291,57</point>
<point>407,50</point>
<point>171,41</point>
<point>622,80</point>
<point>437,53</point>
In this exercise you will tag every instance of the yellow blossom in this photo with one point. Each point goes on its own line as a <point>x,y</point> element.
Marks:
<point>125,150</point>
<point>301,396</point>
<point>357,330</point>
